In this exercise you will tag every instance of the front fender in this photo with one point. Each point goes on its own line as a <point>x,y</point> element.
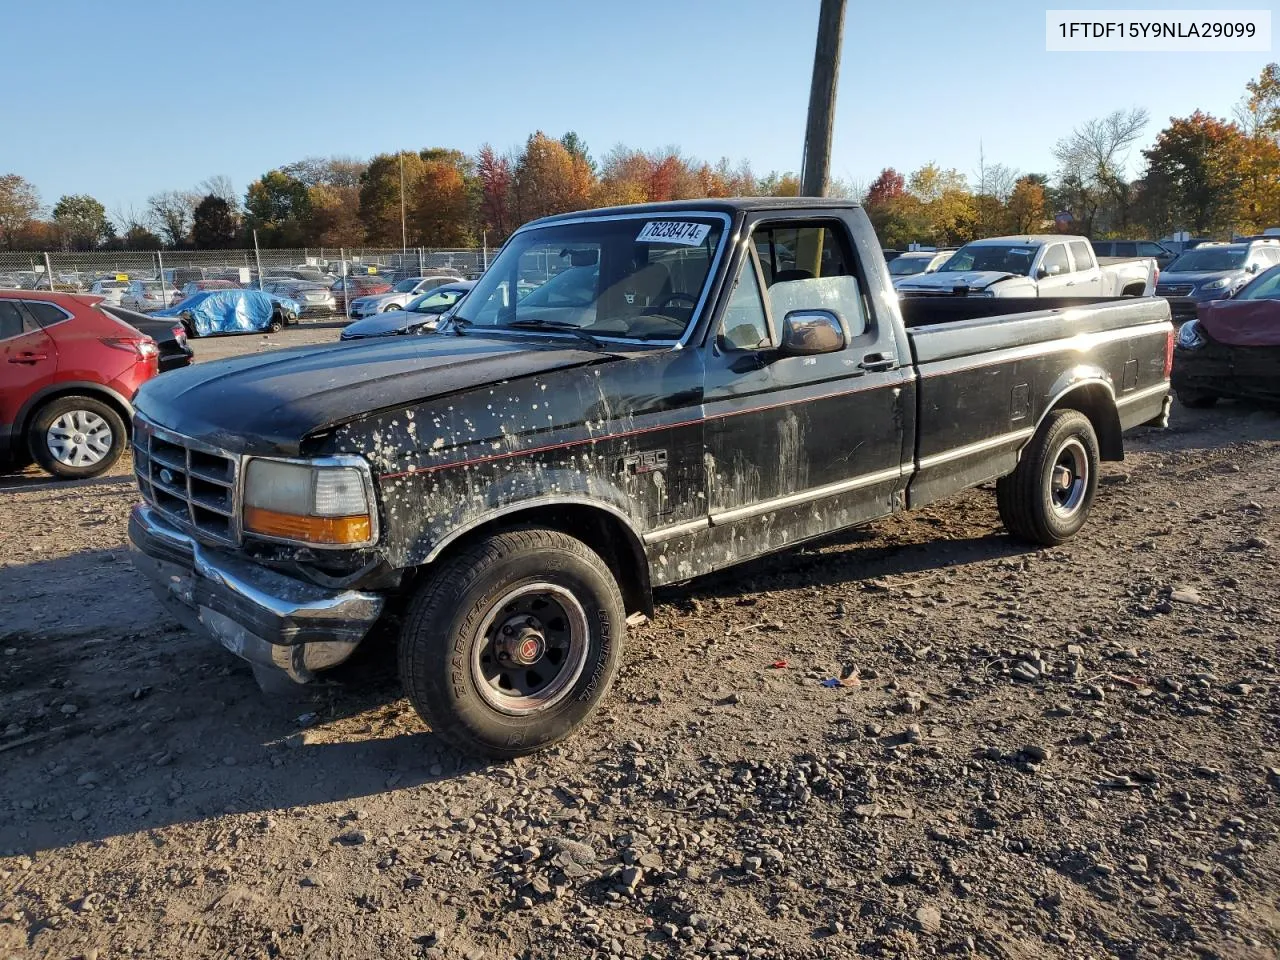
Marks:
<point>426,513</point>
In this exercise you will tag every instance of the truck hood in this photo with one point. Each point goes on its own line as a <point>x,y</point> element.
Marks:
<point>973,279</point>
<point>269,403</point>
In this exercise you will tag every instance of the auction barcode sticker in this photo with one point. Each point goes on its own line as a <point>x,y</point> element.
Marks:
<point>674,231</point>
<point>1158,31</point>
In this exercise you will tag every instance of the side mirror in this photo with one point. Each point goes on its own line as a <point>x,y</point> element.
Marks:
<point>1041,273</point>
<point>808,332</point>
<point>1251,268</point>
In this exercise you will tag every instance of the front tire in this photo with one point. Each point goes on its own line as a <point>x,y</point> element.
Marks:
<point>511,645</point>
<point>76,437</point>
<point>277,323</point>
<point>1048,496</point>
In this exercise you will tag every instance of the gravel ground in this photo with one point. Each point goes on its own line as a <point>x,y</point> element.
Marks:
<point>1024,752</point>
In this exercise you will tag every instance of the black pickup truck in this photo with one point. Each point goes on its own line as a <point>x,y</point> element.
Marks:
<point>691,385</point>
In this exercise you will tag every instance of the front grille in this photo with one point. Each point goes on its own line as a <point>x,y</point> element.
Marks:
<point>191,484</point>
<point>1174,290</point>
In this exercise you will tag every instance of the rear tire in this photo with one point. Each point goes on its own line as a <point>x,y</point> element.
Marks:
<point>76,437</point>
<point>1197,401</point>
<point>1048,496</point>
<point>513,642</point>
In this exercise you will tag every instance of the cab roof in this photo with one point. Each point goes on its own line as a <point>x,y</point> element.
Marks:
<point>726,205</point>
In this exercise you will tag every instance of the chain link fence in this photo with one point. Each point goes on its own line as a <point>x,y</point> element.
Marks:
<point>77,272</point>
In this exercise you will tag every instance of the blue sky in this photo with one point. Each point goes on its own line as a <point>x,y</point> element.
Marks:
<point>120,100</point>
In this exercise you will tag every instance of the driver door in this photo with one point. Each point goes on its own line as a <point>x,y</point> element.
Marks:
<point>1053,276</point>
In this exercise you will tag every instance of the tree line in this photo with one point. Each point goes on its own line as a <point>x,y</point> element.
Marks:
<point>1204,174</point>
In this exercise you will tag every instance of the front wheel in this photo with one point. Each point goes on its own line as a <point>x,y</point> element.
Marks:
<point>511,645</point>
<point>77,437</point>
<point>391,308</point>
<point>277,323</point>
<point>1048,496</point>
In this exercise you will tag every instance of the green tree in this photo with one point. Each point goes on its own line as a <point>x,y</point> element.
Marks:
<point>380,195</point>
<point>213,225</point>
<point>19,204</point>
<point>278,206</point>
<point>80,222</point>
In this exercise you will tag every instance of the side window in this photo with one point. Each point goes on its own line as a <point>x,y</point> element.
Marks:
<point>809,268</point>
<point>46,314</point>
<point>1150,250</point>
<point>1126,250</point>
<point>1083,256</point>
<point>10,319</point>
<point>1055,261</point>
<point>744,325</point>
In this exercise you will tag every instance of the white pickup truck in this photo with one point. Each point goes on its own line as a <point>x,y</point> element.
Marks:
<point>1039,265</point>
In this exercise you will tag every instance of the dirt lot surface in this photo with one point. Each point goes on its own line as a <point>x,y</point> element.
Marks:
<point>1034,753</point>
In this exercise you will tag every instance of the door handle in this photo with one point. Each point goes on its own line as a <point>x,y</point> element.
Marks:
<point>29,358</point>
<point>878,361</point>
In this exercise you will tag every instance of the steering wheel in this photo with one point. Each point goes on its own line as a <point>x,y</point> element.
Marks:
<point>693,301</point>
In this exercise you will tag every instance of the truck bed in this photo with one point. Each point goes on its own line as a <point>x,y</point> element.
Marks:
<point>983,362</point>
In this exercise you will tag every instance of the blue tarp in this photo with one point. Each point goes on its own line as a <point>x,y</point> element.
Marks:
<point>230,311</point>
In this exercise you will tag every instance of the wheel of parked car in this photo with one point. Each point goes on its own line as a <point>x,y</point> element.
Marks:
<point>390,307</point>
<point>513,642</point>
<point>277,322</point>
<point>1048,496</point>
<point>1196,401</point>
<point>76,437</point>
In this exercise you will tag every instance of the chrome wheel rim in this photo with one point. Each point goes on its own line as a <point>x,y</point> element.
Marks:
<point>530,650</point>
<point>1069,479</point>
<point>79,438</point>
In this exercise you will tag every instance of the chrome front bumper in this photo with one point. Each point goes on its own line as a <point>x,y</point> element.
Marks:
<point>266,617</point>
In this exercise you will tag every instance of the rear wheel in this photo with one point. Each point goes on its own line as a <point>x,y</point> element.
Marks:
<point>77,437</point>
<point>513,642</point>
<point>1196,401</point>
<point>1048,496</point>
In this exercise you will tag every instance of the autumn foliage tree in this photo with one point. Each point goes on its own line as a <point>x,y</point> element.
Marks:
<point>1193,174</point>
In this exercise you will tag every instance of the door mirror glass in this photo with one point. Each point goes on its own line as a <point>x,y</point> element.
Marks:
<point>1042,273</point>
<point>807,332</point>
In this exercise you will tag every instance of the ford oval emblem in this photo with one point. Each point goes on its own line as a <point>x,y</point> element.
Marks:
<point>166,475</point>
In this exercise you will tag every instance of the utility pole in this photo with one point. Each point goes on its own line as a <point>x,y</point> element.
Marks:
<point>404,234</point>
<point>815,171</point>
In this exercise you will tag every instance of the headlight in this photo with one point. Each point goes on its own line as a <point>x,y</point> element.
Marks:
<point>1219,284</point>
<point>1189,335</point>
<point>326,503</point>
<point>982,293</point>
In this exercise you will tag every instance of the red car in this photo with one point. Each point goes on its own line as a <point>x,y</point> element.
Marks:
<point>68,375</point>
<point>356,287</point>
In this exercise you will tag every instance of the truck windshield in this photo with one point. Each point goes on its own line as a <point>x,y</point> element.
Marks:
<point>1000,257</point>
<point>1204,259</point>
<point>634,278</point>
<point>908,266</point>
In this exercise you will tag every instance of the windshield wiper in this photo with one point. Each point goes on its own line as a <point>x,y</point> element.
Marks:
<point>573,328</point>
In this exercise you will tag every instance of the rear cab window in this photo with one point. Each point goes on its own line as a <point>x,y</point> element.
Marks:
<point>1083,256</point>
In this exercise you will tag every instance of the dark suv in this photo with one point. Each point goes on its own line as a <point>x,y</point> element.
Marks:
<point>1213,271</point>
<point>1135,248</point>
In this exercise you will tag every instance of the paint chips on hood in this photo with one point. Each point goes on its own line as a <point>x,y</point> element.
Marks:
<point>674,231</point>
